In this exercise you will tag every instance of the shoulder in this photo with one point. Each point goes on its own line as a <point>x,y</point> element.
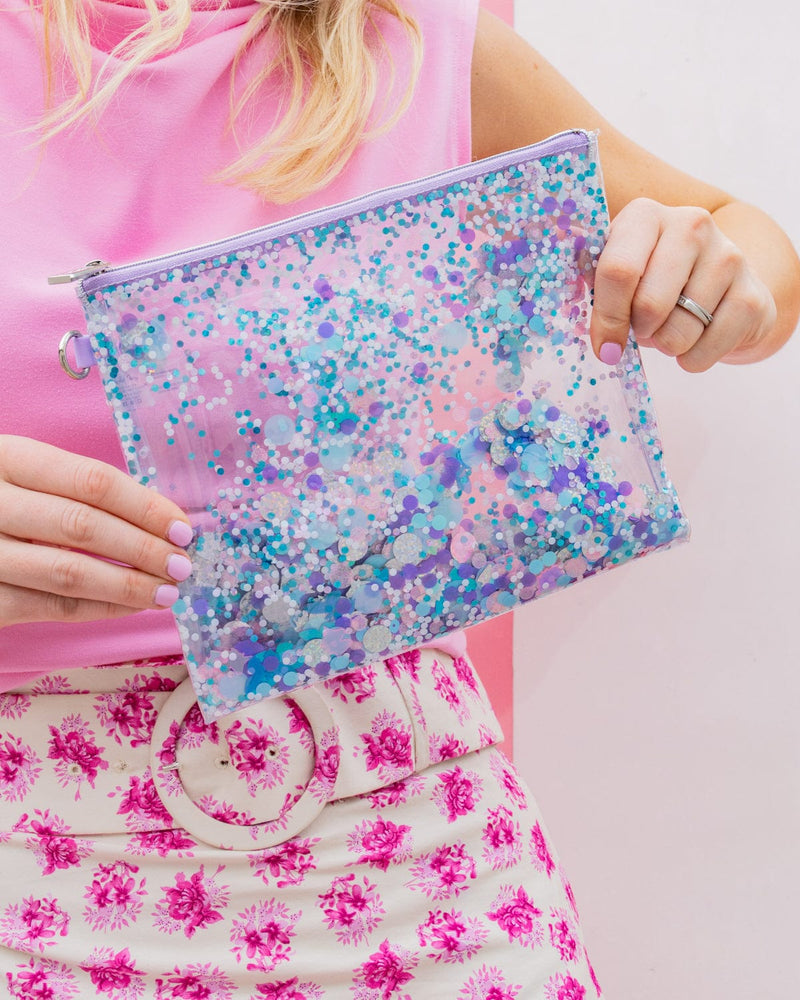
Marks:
<point>517,96</point>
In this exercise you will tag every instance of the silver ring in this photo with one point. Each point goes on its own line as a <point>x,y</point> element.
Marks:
<point>695,309</point>
<point>77,373</point>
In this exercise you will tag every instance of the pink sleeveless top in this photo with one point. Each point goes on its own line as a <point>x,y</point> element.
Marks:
<point>137,185</point>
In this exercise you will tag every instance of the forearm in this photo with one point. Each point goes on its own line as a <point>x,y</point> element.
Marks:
<point>772,257</point>
<point>744,269</point>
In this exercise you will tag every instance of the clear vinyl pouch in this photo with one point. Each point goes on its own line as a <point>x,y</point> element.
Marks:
<point>384,419</point>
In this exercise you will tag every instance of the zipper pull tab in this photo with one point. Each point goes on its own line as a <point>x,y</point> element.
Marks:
<point>93,267</point>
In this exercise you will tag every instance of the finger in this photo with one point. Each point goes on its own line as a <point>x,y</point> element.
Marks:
<point>667,272</point>
<point>18,605</point>
<point>737,319</point>
<point>57,520</point>
<point>718,266</point>
<point>34,465</point>
<point>51,570</point>
<point>620,267</point>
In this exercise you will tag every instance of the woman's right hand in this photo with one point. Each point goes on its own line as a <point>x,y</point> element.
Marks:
<point>53,502</point>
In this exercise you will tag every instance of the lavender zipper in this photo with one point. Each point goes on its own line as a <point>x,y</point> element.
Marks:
<point>552,146</point>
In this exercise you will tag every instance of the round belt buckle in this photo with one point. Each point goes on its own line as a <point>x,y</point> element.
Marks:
<point>229,836</point>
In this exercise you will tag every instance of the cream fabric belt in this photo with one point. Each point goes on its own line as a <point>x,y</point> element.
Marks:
<point>136,759</point>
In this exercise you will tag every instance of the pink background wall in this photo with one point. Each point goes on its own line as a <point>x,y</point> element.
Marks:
<point>657,707</point>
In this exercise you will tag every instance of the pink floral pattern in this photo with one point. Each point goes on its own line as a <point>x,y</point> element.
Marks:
<point>357,685</point>
<point>162,842</point>
<point>398,793</point>
<point>564,934</point>
<point>78,757</point>
<point>128,715</point>
<point>259,753</point>
<point>447,689</point>
<point>225,812</point>
<point>289,989</point>
<point>540,854</point>
<point>384,973</point>
<point>42,979</point>
<point>516,914</point>
<point>115,974</point>
<point>457,793</point>
<point>261,935</point>
<point>287,864</point>
<point>450,936</point>
<point>352,908</point>
<point>569,894</point>
<point>506,774</point>
<point>388,747</point>
<point>465,675</point>
<point>195,981</point>
<point>34,923</point>
<point>194,731</point>
<point>488,736</point>
<point>489,983</point>
<point>299,724</point>
<point>19,768</point>
<point>141,805</point>
<point>439,877</point>
<point>115,896</point>
<point>418,712</point>
<point>326,765</point>
<point>167,755</point>
<point>445,872</point>
<point>53,684</point>
<point>192,903</point>
<point>592,975</point>
<point>503,839</point>
<point>380,843</point>
<point>51,847</point>
<point>446,747</point>
<point>564,987</point>
<point>406,663</point>
<point>14,706</point>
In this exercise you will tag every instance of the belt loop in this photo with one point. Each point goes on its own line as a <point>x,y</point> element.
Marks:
<point>403,669</point>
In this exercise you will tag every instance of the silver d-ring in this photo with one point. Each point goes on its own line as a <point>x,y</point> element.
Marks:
<point>77,373</point>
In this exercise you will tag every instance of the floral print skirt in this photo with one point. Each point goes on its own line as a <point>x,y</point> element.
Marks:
<point>439,883</point>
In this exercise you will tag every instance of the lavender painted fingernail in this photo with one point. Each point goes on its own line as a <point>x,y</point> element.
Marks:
<point>610,353</point>
<point>178,567</point>
<point>166,595</point>
<point>180,533</point>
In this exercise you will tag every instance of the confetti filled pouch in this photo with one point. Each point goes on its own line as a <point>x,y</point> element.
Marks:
<point>384,419</point>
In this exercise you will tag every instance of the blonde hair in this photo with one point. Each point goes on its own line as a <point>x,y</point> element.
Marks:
<point>328,50</point>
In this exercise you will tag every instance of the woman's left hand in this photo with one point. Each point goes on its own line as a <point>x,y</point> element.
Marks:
<point>655,253</point>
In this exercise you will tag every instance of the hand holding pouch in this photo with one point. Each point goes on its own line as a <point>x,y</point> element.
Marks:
<point>385,419</point>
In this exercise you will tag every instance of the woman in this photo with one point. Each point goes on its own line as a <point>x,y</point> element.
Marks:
<point>442,882</point>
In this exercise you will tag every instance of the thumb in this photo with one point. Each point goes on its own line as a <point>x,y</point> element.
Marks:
<point>608,338</point>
